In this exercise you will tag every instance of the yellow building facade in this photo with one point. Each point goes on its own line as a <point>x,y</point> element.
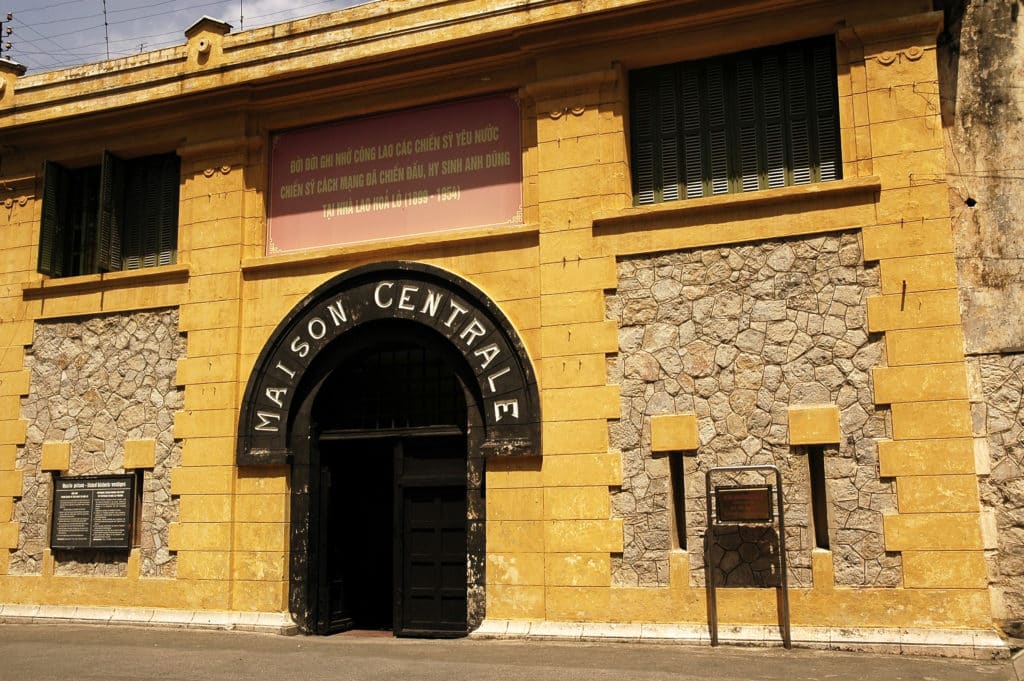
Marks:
<point>311,407</point>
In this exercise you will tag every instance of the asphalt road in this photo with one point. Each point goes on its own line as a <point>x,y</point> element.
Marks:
<point>40,652</point>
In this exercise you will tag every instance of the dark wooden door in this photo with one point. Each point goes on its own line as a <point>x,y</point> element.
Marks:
<point>433,599</point>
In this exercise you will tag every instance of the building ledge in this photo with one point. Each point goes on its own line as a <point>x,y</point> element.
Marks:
<point>88,283</point>
<point>390,247</point>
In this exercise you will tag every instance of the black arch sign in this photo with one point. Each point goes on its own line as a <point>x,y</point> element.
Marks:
<point>415,292</point>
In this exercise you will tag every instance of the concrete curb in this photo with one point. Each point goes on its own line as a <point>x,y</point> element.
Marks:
<point>263,622</point>
<point>978,644</point>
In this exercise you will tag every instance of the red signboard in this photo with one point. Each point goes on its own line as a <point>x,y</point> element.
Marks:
<point>425,170</point>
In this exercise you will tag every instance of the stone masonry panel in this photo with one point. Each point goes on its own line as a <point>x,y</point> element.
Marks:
<point>737,335</point>
<point>97,382</point>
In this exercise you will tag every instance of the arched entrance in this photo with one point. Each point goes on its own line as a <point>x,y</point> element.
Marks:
<point>385,390</point>
<point>391,486</point>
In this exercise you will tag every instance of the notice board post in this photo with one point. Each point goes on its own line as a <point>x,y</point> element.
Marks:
<point>745,505</point>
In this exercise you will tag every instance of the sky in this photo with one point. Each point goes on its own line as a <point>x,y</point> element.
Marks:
<point>45,35</point>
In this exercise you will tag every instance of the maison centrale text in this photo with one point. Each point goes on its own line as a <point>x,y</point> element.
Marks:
<point>471,330</point>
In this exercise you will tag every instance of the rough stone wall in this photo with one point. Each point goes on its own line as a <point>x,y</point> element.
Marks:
<point>1002,492</point>
<point>736,335</point>
<point>97,382</point>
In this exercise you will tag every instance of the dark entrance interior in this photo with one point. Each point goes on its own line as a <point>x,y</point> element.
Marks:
<point>388,486</point>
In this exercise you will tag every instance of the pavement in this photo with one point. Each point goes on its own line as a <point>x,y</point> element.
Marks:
<point>43,652</point>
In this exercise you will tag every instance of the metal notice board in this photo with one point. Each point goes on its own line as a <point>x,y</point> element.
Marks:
<point>93,512</point>
<point>746,505</point>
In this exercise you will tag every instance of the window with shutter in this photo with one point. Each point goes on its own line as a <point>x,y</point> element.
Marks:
<point>758,120</point>
<point>122,214</point>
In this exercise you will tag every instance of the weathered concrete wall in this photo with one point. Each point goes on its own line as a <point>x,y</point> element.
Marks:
<point>981,71</point>
<point>736,335</point>
<point>97,383</point>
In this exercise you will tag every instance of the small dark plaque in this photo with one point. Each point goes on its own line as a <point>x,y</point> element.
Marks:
<point>743,504</point>
<point>93,512</point>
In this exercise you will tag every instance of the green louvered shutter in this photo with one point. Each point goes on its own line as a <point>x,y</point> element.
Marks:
<point>761,119</point>
<point>110,221</point>
<point>51,250</point>
<point>151,227</point>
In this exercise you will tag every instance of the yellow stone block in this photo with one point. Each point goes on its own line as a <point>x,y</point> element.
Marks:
<point>260,566</point>
<point>944,570</point>
<point>572,503</point>
<point>574,437</point>
<point>932,531</point>
<point>894,103</point>
<point>568,184</point>
<point>508,284</point>
<point>199,536</point>
<point>5,562</point>
<point>202,480</point>
<point>209,315</point>
<point>903,239</point>
<point>577,603</point>
<point>8,457</point>
<point>205,508</point>
<point>213,565</point>
<point>582,403</point>
<point>814,424</point>
<point>6,509</point>
<point>920,383</point>
<point>207,342</point>
<point>571,372</point>
<point>261,508</point>
<point>910,134</point>
<point>205,423</point>
<point>515,536</point>
<point>924,346</point>
<point>515,568</point>
<point>921,273</point>
<point>11,483</point>
<point>582,470</point>
<point>515,504</point>
<point>578,275</point>
<point>919,72</point>
<point>214,287</point>
<point>925,420</point>
<point>210,369</point>
<point>899,210</point>
<point>570,536</point>
<point>569,244</point>
<point>914,310</point>
<point>261,536</point>
<point>15,382</point>
<point>263,480</point>
<point>139,454</point>
<point>673,432</point>
<point>577,569</point>
<point>580,339</point>
<point>937,494</point>
<point>259,596</point>
<point>925,457</point>
<point>208,451</point>
<point>9,535</point>
<point>56,456</point>
<point>12,432</point>
<point>514,472</point>
<point>214,396</point>
<point>572,308</point>
<point>515,602</point>
<point>70,305</point>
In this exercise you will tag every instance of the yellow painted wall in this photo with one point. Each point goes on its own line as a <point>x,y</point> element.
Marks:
<point>550,533</point>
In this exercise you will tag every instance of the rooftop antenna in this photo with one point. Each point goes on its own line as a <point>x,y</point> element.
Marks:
<point>241,16</point>
<point>106,31</point>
